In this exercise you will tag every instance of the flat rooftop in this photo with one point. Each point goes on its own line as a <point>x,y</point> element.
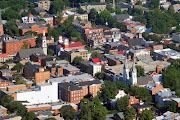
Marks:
<point>151,66</point>
<point>169,52</point>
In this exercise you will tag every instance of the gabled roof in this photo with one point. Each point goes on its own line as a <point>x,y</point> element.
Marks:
<point>28,52</point>
<point>134,42</point>
<point>75,44</point>
<point>96,60</point>
<point>4,55</point>
<point>144,80</point>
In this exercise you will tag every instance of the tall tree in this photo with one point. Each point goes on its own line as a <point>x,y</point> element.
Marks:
<point>140,71</point>
<point>130,113</point>
<point>147,115</point>
<point>95,55</point>
<point>108,91</point>
<point>30,115</point>
<point>173,106</point>
<point>122,103</point>
<point>68,112</point>
<point>56,6</point>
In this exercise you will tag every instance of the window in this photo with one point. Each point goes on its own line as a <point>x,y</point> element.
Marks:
<point>140,109</point>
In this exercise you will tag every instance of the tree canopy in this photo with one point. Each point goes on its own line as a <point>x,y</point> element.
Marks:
<point>56,6</point>
<point>171,76</point>
<point>141,93</point>
<point>68,112</point>
<point>92,110</point>
<point>108,91</point>
<point>77,60</point>
<point>147,115</point>
<point>140,71</point>
<point>122,103</point>
<point>95,55</point>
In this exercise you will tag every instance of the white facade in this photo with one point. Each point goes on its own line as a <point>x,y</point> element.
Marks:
<point>47,93</point>
<point>44,43</point>
<point>120,94</point>
<point>133,75</point>
<point>125,71</point>
<point>95,68</point>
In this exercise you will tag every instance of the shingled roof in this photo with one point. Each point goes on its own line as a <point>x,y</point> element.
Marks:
<point>144,80</point>
<point>28,52</point>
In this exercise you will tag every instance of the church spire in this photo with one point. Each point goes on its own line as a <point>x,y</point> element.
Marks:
<point>125,64</point>
<point>133,74</point>
<point>134,67</point>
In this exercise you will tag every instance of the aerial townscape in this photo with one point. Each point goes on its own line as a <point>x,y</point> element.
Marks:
<point>89,59</point>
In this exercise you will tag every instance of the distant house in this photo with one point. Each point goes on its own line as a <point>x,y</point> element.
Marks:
<point>154,88</point>
<point>26,54</point>
<point>141,106</point>
<point>164,97</point>
<point>122,17</point>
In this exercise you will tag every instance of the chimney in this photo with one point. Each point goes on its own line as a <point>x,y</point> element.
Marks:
<point>69,88</point>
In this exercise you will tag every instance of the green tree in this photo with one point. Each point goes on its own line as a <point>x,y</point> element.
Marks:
<point>92,110</point>
<point>66,59</point>
<point>88,70</point>
<point>77,60</point>
<point>30,115</point>
<point>6,100</point>
<point>51,118</point>
<point>56,6</point>
<point>18,67</point>
<point>154,4</point>
<point>92,15</point>
<point>95,55</point>
<point>11,28</point>
<point>130,113</point>
<point>25,45</point>
<point>50,52</point>
<point>140,71</point>
<point>108,91</point>
<point>173,106</point>
<point>122,103</point>
<point>20,109</point>
<point>141,93</point>
<point>27,63</point>
<point>147,115</point>
<point>100,75</point>
<point>171,76</point>
<point>68,112</point>
<point>122,86</point>
<point>81,11</point>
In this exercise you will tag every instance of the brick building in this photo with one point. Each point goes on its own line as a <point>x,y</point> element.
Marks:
<point>1,26</point>
<point>24,56</point>
<point>154,88</point>
<point>4,83</point>
<point>38,27</point>
<point>81,25</point>
<point>38,107</point>
<point>74,53</point>
<point>12,46</point>
<point>36,72</point>
<point>141,106</point>
<point>16,87</point>
<point>133,100</point>
<point>73,92</point>
<point>36,57</point>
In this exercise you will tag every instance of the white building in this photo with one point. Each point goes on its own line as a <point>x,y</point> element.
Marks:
<point>43,93</point>
<point>29,19</point>
<point>120,93</point>
<point>44,43</point>
<point>166,54</point>
<point>176,37</point>
<point>95,68</point>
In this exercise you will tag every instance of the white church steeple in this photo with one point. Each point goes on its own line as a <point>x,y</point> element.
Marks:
<point>125,71</point>
<point>133,74</point>
<point>44,43</point>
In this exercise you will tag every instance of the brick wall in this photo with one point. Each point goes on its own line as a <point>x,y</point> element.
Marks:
<point>39,108</point>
